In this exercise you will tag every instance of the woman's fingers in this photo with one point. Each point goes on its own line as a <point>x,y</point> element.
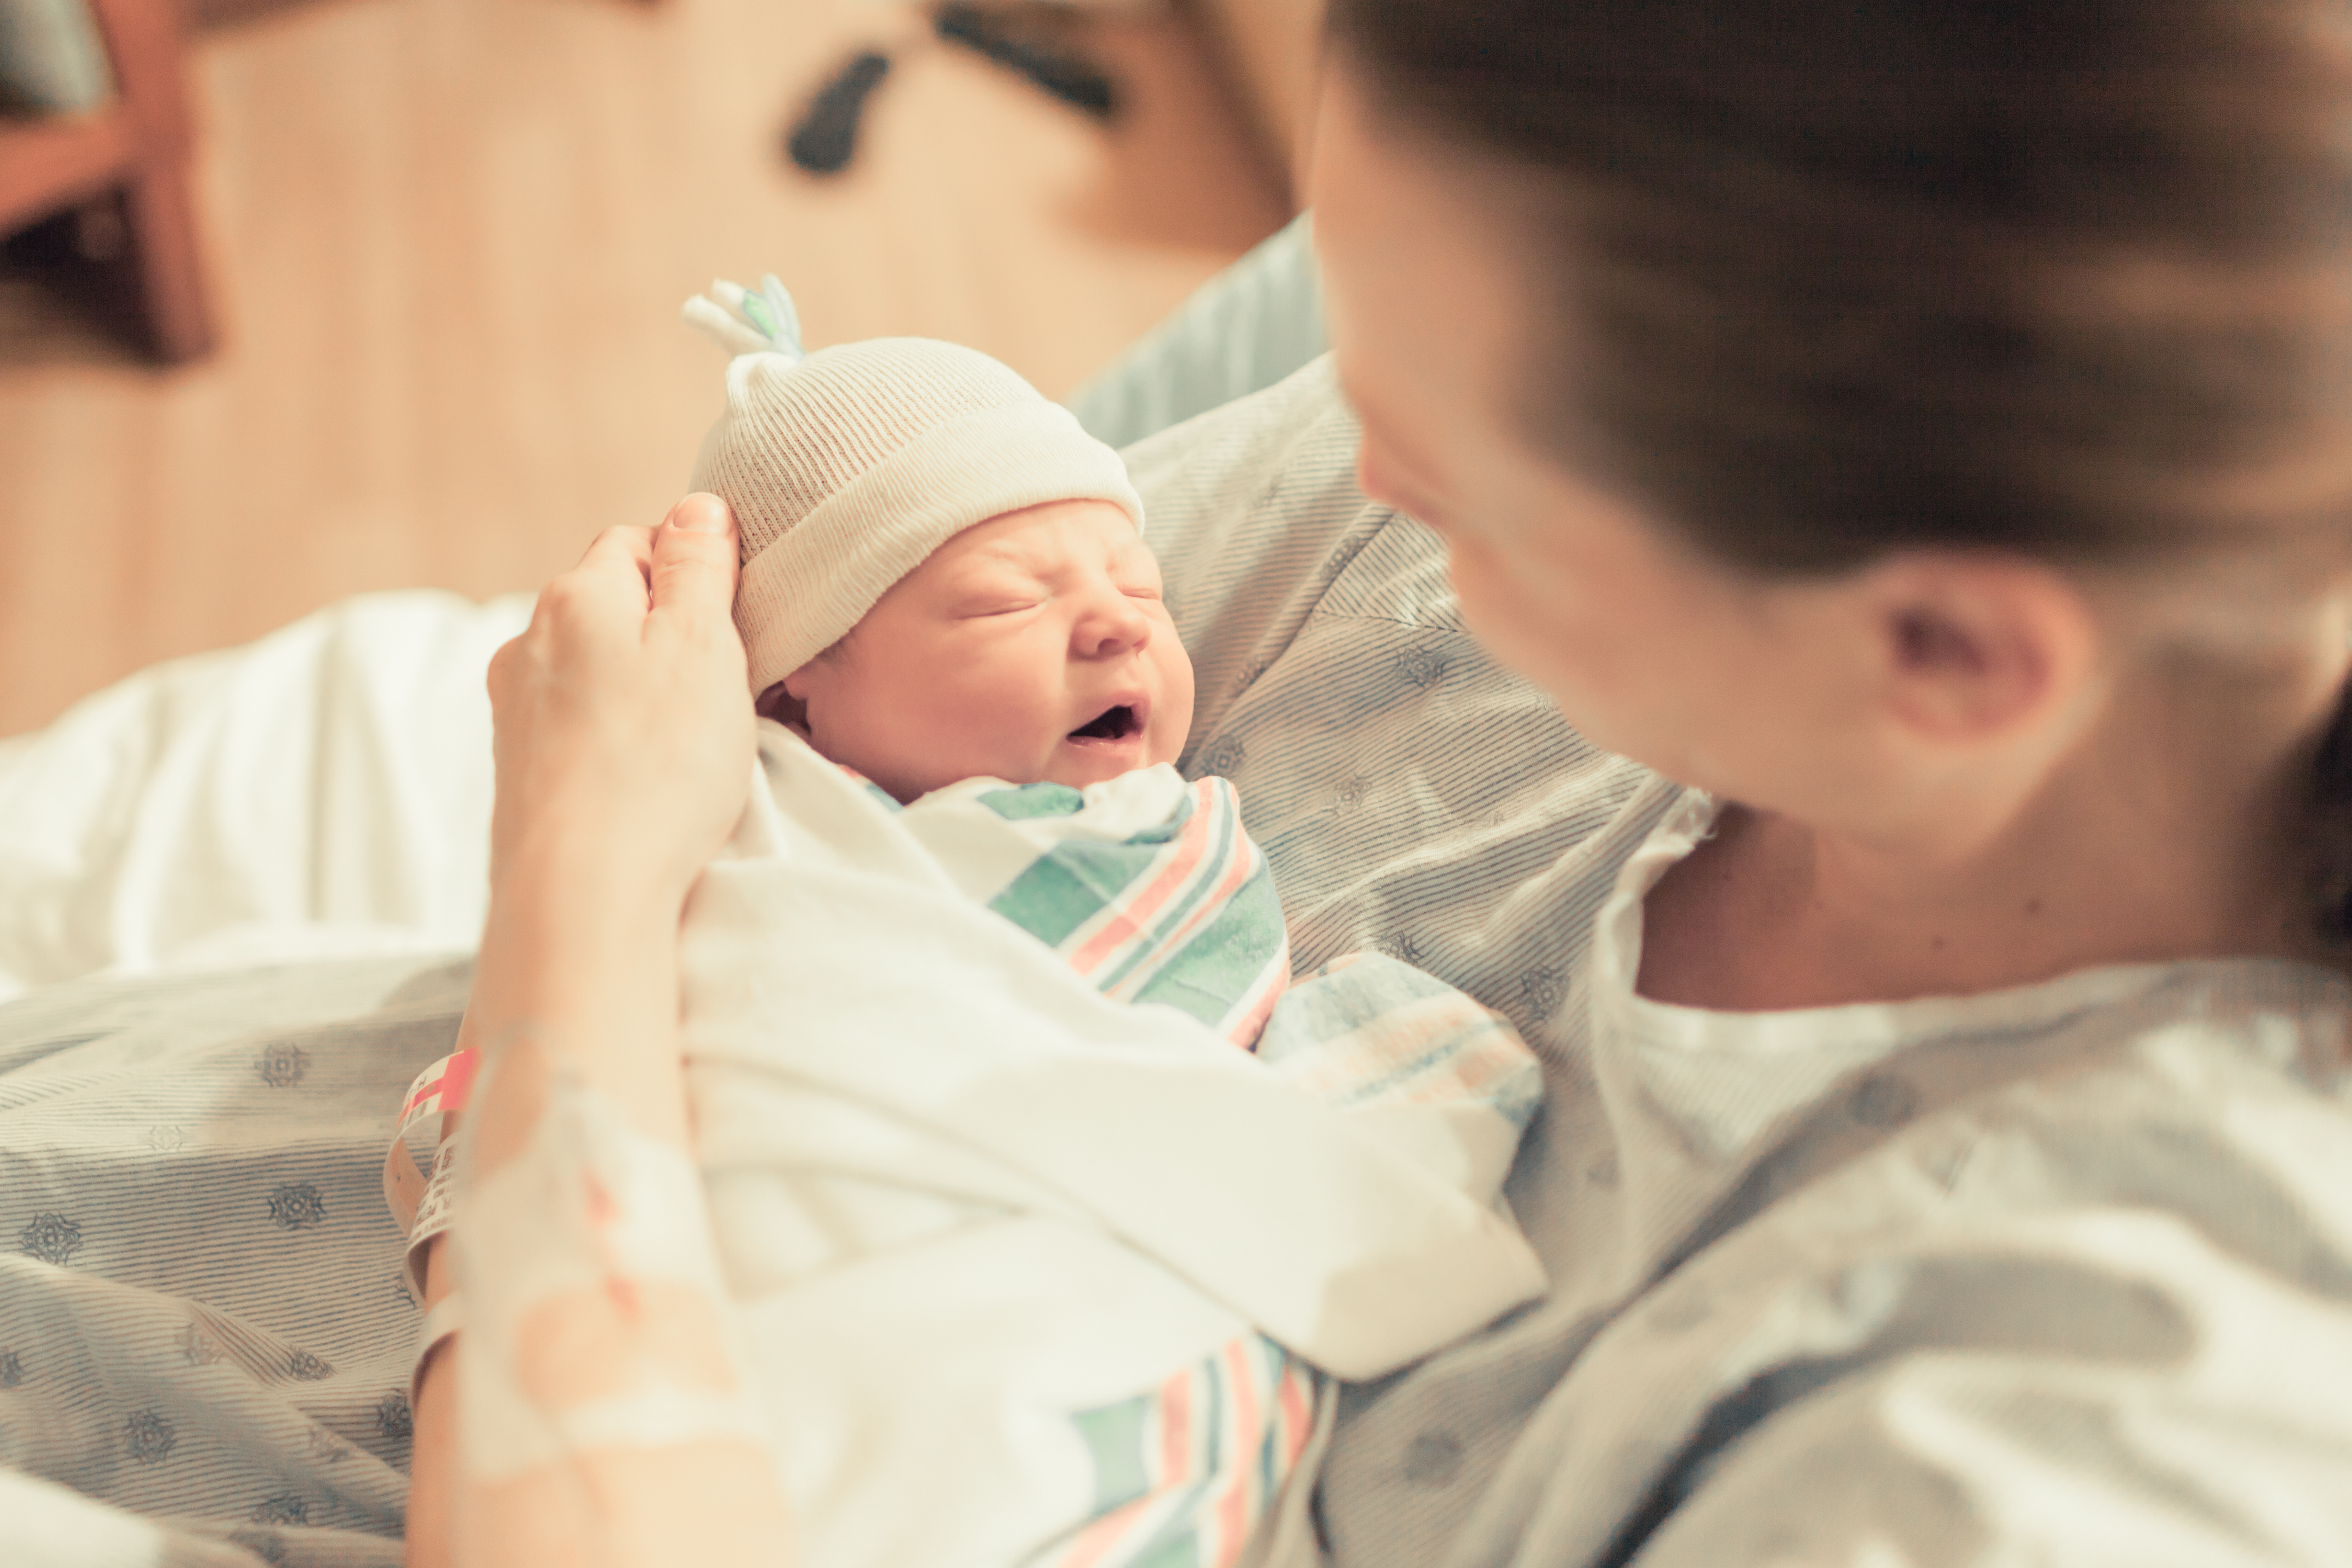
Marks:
<point>621,715</point>
<point>686,567</point>
<point>617,572</point>
<point>694,560</point>
<point>622,541</point>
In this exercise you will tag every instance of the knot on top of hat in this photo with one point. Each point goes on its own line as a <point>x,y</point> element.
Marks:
<point>743,323</point>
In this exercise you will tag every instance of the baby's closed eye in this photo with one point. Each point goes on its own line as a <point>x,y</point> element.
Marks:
<point>996,594</point>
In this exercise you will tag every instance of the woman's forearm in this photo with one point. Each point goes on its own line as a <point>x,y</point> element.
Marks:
<point>577,979</point>
<point>433,1445</point>
<point>598,1418</point>
<point>578,972</point>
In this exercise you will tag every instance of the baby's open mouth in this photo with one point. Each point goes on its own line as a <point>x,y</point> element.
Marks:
<point>1112,724</point>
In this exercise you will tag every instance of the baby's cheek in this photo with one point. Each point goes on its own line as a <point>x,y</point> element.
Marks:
<point>1172,720</point>
<point>1001,739</point>
<point>1167,741</point>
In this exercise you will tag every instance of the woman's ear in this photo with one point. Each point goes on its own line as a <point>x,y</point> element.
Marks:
<point>1978,647</point>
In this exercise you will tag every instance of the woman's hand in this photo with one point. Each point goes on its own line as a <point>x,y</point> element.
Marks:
<point>623,720</point>
<point>624,743</point>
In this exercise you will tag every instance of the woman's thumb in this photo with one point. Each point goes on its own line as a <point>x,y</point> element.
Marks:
<point>695,558</point>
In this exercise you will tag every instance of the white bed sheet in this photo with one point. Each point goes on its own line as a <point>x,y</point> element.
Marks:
<point>323,792</point>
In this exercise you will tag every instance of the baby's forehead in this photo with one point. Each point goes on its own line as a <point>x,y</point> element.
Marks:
<point>1054,550</point>
<point>1102,533</point>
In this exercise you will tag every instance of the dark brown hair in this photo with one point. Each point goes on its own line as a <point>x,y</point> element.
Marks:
<point>2071,277</point>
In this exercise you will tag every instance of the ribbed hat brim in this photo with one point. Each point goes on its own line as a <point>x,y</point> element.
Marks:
<point>808,588</point>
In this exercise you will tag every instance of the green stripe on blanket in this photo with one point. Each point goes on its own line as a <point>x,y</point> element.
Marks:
<point>1182,912</point>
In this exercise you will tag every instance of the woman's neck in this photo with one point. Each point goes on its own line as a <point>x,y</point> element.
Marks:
<point>2171,831</point>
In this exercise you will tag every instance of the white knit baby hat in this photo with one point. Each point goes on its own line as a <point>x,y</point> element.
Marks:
<point>848,467</point>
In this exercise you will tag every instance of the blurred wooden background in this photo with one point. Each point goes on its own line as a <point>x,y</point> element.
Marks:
<point>447,241</point>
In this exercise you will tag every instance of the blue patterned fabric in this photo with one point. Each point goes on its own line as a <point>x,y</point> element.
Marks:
<point>203,1317</point>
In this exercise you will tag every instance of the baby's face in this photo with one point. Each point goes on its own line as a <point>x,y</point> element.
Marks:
<point>1033,647</point>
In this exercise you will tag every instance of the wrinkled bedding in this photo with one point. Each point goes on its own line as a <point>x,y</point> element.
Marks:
<point>204,1323</point>
<point>322,793</point>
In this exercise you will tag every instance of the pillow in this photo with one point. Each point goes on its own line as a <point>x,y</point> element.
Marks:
<point>51,58</point>
<point>1247,328</point>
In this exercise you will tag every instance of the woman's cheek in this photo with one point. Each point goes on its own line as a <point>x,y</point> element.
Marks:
<point>1532,627</point>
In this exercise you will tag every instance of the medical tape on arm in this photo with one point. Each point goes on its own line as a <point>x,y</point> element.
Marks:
<point>584,1214</point>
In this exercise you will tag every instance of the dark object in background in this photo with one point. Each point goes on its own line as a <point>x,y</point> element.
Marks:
<point>126,162</point>
<point>827,134</point>
<point>1070,78</point>
<point>826,137</point>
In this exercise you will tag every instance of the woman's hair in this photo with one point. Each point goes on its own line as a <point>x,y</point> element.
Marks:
<point>2071,277</point>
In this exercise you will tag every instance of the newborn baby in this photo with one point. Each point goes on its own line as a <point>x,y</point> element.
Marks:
<point>945,588</point>
<point>1025,1262</point>
<point>944,577</point>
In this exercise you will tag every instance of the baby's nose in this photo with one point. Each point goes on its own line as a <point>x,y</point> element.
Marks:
<point>1114,624</point>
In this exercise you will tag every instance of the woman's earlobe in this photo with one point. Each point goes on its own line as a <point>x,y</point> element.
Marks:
<point>1977,649</point>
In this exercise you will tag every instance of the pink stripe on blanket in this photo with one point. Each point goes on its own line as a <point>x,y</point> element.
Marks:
<point>1243,866</point>
<point>1127,924</point>
<point>1234,1514</point>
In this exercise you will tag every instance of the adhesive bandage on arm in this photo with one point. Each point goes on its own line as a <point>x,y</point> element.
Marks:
<point>596,1316</point>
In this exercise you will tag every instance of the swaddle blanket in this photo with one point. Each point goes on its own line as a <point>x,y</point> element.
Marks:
<point>1034,1265</point>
